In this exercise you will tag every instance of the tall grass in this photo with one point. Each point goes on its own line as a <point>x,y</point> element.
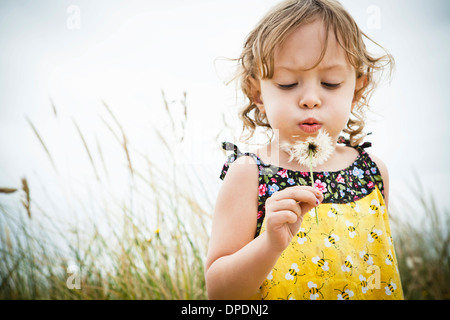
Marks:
<point>422,243</point>
<point>151,243</point>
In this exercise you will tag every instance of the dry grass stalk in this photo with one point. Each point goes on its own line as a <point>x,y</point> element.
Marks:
<point>42,143</point>
<point>124,142</point>
<point>53,107</point>
<point>27,202</point>
<point>87,149</point>
<point>7,190</point>
<point>183,103</point>
<point>100,153</point>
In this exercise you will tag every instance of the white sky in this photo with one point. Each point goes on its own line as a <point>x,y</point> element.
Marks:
<point>126,52</point>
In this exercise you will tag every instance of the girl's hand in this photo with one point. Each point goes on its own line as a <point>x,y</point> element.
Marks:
<point>284,213</point>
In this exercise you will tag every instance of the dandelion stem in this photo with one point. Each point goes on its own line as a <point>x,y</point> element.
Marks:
<point>312,181</point>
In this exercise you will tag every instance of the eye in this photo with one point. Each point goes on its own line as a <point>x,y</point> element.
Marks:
<point>331,85</point>
<point>287,86</point>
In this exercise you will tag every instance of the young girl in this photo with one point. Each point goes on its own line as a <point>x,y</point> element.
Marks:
<point>304,68</point>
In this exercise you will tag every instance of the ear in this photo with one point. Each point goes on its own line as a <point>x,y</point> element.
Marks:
<point>256,96</point>
<point>360,87</point>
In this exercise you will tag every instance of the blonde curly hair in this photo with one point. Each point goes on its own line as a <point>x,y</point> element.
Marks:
<point>257,58</point>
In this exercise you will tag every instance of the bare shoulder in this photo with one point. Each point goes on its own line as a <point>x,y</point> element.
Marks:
<point>242,169</point>
<point>240,185</point>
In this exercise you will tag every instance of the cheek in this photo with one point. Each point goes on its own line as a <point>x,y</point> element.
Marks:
<point>343,99</point>
<point>339,108</point>
<point>350,91</point>
<point>272,99</point>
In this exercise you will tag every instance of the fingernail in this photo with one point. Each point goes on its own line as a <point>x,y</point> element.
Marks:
<point>317,202</point>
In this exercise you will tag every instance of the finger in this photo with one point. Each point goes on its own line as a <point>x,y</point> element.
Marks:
<point>300,194</point>
<point>285,204</point>
<point>317,192</point>
<point>280,218</point>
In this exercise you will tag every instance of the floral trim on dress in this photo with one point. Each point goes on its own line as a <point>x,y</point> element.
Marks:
<point>344,186</point>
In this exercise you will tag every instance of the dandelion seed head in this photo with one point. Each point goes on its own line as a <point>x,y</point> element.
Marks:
<point>320,147</point>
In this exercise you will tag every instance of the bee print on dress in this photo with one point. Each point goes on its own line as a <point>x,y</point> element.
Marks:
<point>348,265</point>
<point>333,212</point>
<point>389,260</point>
<point>375,207</point>
<point>351,229</point>
<point>293,273</point>
<point>313,291</point>
<point>364,285</point>
<point>390,288</point>
<point>354,206</point>
<point>367,257</point>
<point>303,236</point>
<point>344,294</point>
<point>374,234</point>
<point>331,239</point>
<point>322,265</point>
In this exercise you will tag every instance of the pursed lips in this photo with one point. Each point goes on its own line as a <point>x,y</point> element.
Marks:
<point>310,125</point>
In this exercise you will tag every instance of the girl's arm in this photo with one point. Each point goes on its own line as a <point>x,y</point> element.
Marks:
<point>233,271</point>
<point>237,264</point>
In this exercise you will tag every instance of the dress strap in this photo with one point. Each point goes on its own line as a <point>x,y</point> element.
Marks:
<point>228,146</point>
<point>346,142</point>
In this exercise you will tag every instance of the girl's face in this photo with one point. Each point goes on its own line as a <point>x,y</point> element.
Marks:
<point>298,102</point>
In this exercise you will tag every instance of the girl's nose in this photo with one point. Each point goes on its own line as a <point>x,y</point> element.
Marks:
<point>310,98</point>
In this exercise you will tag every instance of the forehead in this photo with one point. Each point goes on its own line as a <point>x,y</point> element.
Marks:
<point>303,47</point>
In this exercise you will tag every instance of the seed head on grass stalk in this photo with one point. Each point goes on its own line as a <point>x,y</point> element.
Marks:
<point>27,202</point>
<point>312,152</point>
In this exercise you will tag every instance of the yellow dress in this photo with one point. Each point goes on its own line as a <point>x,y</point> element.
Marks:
<point>349,254</point>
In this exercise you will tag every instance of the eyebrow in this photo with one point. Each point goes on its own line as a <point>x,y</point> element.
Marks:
<point>333,66</point>
<point>323,68</point>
